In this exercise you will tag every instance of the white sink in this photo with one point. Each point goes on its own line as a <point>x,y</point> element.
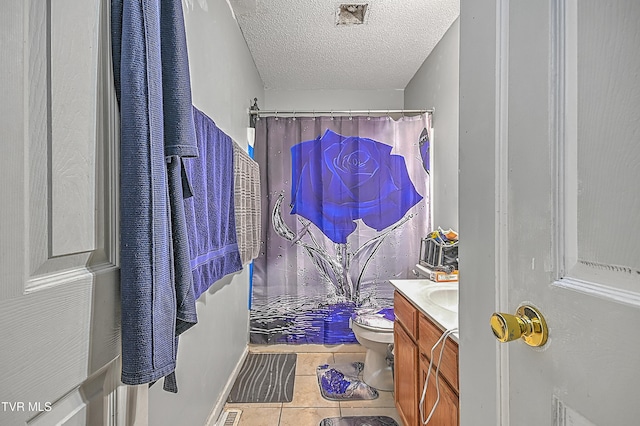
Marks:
<point>438,301</point>
<point>444,295</point>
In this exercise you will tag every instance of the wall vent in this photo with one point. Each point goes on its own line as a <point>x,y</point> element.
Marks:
<point>351,14</point>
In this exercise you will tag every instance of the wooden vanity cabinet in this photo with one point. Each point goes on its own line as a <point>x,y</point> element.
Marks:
<point>414,336</point>
<point>405,359</point>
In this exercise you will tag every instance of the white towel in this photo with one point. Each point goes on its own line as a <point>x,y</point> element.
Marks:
<point>247,204</point>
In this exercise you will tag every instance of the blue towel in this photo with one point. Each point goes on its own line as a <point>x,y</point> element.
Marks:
<point>157,301</point>
<point>185,299</point>
<point>210,212</point>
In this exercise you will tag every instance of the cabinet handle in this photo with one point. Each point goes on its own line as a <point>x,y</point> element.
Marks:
<point>528,324</point>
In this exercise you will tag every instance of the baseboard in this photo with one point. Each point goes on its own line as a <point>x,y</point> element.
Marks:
<point>219,405</point>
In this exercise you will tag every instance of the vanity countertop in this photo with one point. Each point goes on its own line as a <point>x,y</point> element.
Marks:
<point>418,291</point>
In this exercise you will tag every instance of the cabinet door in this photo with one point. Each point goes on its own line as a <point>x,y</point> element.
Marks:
<point>446,413</point>
<point>406,376</point>
<point>406,314</point>
<point>429,334</point>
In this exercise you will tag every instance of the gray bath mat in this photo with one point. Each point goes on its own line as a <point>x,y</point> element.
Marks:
<point>265,378</point>
<point>359,421</point>
<point>341,382</point>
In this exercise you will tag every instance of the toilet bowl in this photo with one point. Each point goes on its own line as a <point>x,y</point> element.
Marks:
<point>376,338</point>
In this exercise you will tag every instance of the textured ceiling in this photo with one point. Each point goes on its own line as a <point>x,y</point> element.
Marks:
<point>296,44</point>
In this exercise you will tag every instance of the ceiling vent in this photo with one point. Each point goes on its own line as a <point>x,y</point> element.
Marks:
<point>351,14</point>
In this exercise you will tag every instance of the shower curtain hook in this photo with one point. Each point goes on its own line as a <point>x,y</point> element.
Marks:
<point>276,115</point>
<point>368,114</point>
<point>350,117</point>
<point>332,114</point>
<point>294,115</point>
<point>388,115</point>
<point>313,114</point>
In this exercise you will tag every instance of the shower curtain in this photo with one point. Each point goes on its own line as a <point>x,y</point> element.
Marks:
<point>345,201</point>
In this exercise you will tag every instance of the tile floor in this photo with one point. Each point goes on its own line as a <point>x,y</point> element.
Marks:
<point>308,407</point>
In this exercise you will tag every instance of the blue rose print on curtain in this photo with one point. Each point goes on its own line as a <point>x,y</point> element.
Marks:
<point>337,180</point>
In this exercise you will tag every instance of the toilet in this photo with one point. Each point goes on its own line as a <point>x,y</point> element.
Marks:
<point>374,330</point>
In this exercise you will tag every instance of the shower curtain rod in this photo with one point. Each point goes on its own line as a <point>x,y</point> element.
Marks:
<point>343,112</point>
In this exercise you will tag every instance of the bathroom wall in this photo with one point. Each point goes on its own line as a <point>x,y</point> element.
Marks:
<point>435,85</point>
<point>342,99</point>
<point>224,79</point>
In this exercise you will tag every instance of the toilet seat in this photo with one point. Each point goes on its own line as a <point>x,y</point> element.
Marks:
<point>378,320</point>
<point>385,329</point>
<point>384,336</point>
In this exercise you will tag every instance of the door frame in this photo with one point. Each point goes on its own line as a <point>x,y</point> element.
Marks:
<point>482,193</point>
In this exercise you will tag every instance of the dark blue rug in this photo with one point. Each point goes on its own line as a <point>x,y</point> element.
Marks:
<point>359,421</point>
<point>265,378</point>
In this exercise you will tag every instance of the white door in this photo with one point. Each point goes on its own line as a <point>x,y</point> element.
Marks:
<point>59,310</point>
<point>558,226</point>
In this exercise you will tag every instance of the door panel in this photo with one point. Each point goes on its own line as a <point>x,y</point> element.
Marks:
<point>573,208</point>
<point>59,285</point>
<point>73,94</point>
<point>607,134</point>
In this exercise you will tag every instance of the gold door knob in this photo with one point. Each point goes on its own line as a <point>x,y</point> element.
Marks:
<point>528,324</point>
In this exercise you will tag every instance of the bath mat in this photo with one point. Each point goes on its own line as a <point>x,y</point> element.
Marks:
<point>359,421</point>
<point>341,382</point>
<point>265,378</point>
